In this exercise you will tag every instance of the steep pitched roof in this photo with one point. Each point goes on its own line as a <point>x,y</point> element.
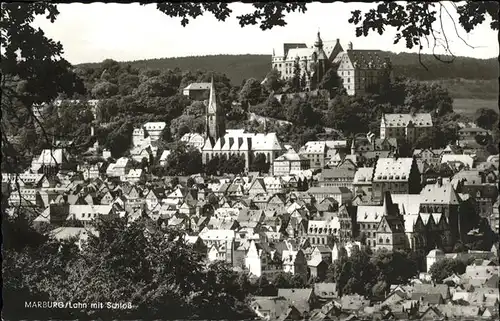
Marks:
<point>198,86</point>
<point>363,175</point>
<point>366,59</point>
<point>403,120</point>
<point>391,169</point>
<point>337,172</point>
<point>439,194</point>
<point>299,298</point>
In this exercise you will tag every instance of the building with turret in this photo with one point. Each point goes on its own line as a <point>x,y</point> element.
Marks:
<point>313,62</point>
<point>361,71</point>
<point>220,141</point>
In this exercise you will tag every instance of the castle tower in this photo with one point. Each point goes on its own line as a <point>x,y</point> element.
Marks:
<point>215,117</point>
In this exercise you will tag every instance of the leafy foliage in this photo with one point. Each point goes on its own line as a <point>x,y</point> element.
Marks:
<point>155,270</point>
<point>486,118</point>
<point>183,160</point>
<point>414,21</point>
<point>370,274</point>
<point>233,164</point>
<point>445,268</point>
<point>260,164</point>
<point>33,72</point>
<point>251,92</point>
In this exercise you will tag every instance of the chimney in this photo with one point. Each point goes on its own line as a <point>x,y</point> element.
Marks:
<point>338,40</point>
<point>350,45</point>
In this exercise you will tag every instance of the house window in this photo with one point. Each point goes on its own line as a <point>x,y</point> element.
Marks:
<point>387,240</point>
<point>380,240</point>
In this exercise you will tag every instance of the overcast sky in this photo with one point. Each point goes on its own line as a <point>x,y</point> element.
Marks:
<point>124,32</point>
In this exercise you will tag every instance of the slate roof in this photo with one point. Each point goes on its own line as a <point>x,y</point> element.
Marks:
<point>402,120</point>
<point>407,203</point>
<point>442,289</point>
<point>328,190</point>
<point>429,298</point>
<point>337,172</point>
<point>464,159</point>
<point>439,194</point>
<point>363,175</point>
<point>299,298</point>
<point>391,169</point>
<point>362,58</point>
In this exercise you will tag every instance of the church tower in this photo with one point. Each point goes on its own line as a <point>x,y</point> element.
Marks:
<point>322,59</point>
<point>215,117</point>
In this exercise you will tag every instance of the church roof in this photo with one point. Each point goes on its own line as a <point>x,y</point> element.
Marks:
<point>329,47</point>
<point>439,194</point>
<point>237,139</point>
<point>208,144</point>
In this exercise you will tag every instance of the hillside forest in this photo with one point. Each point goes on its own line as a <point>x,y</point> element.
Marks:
<point>130,96</point>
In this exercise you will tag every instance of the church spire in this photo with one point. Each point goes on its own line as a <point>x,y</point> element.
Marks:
<point>215,118</point>
<point>388,205</point>
<point>319,43</point>
<point>212,102</point>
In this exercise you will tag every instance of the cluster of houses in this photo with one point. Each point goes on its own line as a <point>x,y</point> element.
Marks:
<point>315,202</point>
<point>471,296</point>
<point>295,223</point>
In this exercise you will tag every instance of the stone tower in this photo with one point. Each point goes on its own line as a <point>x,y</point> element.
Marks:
<point>215,117</point>
<point>321,59</point>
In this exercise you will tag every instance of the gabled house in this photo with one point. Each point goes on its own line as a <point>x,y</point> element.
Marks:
<point>257,187</point>
<point>390,233</point>
<point>304,300</point>
<point>295,262</point>
<point>261,259</point>
<point>292,313</point>
<point>269,308</point>
<point>275,202</point>
<point>431,313</point>
<point>154,197</point>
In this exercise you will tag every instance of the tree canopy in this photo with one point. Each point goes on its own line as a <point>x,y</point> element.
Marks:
<point>414,22</point>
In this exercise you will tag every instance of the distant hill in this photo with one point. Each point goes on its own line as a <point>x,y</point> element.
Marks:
<point>241,67</point>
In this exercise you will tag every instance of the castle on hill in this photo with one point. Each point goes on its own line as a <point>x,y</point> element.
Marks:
<point>359,69</point>
<point>220,141</point>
